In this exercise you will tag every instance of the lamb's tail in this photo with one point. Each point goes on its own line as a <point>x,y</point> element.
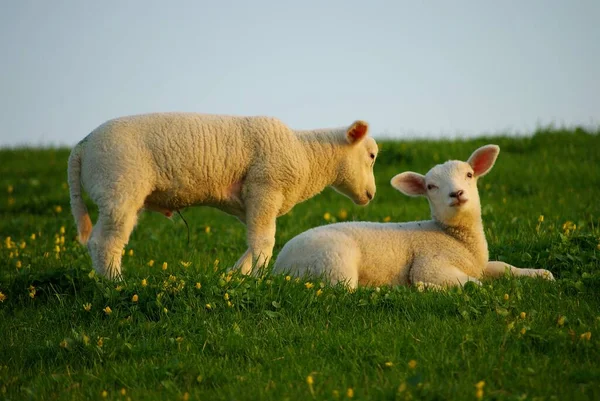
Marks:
<point>78,208</point>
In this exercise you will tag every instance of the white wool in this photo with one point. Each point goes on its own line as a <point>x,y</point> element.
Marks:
<point>450,249</point>
<point>255,168</point>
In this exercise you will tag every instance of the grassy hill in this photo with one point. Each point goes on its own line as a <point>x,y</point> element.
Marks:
<point>180,328</point>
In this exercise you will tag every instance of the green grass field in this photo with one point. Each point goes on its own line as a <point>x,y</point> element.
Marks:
<point>180,328</point>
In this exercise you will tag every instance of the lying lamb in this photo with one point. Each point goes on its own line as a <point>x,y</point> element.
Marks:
<point>448,250</point>
<point>255,168</point>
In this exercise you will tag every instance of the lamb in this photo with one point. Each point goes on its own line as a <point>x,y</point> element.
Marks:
<point>448,250</point>
<point>254,168</point>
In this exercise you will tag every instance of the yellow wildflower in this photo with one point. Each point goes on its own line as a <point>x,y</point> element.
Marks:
<point>134,298</point>
<point>350,392</point>
<point>164,266</point>
<point>327,216</point>
<point>185,264</point>
<point>165,310</point>
<point>343,214</point>
<point>523,331</point>
<point>389,364</point>
<point>387,219</point>
<point>308,285</point>
<point>92,273</point>
<point>100,342</point>
<point>32,291</point>
<point>22,245</point>
<point>412,364</point>
<point>309,380</point>
<point>18,264</point>
<point>186,396</point>
<point>122,252</point>
<point>541,218</point>
<point>144,282</point>
<point>104,393</point>
<point>319,292</point>
<point>479,389</point>
<point>86,339</point>
<point>226,297</point>
<point>229,304</point>
<point>2,297</point>
<point>198,286</point>
<point>287,278</point>
<point>568,226</point>
<point>57,249</point>
<point>10,189</point>
<point>130,253</point>
<point>561,321</point>
<point>586,336</point>
<point>506,297</point>
<point>151,263</point>
<point>63,344</point>
<point>208,306</point>
<point>87,306</point>
<point>123,391</point>
<point>58,209</point>
<point>207,229</point>
<point>32,236</point>
<point>62,229</point>
<point>523,315</point>
<point>107,310</point>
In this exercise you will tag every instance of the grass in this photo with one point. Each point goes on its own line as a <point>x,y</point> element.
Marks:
<point>185,329</point>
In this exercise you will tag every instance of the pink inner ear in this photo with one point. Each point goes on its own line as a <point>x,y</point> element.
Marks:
<point>358,131</point>
<point>410,184</point>
<point>483,161</point>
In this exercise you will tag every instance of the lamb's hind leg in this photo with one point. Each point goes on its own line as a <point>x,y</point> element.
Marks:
<point>109,236</point>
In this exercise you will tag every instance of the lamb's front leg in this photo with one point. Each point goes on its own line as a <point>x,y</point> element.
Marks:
<point>497,269</point>
<point>435,273</point>
<point>262,208</point>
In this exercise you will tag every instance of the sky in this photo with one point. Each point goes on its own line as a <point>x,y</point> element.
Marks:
<point>418,68</point>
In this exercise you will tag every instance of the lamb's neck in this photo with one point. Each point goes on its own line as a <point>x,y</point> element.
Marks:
<point>322,154</point>
<point>470,233</point>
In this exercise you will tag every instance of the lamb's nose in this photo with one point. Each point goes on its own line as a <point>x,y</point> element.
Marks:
<point>457,194</point>
<point>369,195</point>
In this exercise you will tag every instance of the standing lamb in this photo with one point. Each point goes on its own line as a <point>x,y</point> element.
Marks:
<point>448,250</point>
<point>254,168</point>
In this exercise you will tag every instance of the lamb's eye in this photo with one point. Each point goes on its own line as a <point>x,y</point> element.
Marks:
<point>431,186</point>
<point>470,175</point>
<point>372,156</point>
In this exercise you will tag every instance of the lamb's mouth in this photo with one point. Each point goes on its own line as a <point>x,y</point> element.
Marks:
<point>458,202</point>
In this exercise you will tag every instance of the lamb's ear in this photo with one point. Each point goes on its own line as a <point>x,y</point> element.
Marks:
<point>483,159</point>
<point>409,183</point>
<point>357,131</point>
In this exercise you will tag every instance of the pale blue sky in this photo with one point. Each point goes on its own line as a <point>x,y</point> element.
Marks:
<point>409,68</point>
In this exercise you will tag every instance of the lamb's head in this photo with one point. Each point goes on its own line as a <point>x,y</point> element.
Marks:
<point>355,177</point>
<point>451,187</point>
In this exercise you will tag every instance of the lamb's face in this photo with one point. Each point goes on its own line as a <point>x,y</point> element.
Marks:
<point>356,178</point>
<point>451,188</point>
<point>355,171</point>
